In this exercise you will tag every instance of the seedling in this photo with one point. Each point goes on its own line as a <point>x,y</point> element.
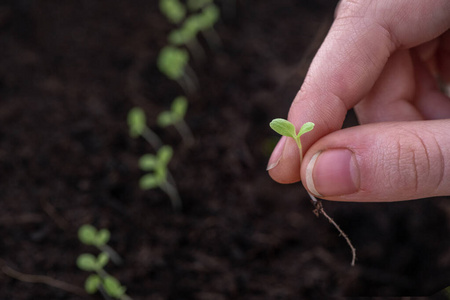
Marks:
<point>187,35</point>
<point>175,117</point>
<point>159,175</point>
<point>137,124</point>
<point>174,10</point>
<point>173,62</point>
<point>101,281</point>
<point>286,128</point>
<point>205,21</point>
<point>89,235</point>
<point>209,17</point>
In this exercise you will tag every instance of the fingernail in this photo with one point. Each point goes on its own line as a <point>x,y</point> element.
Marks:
<point>332,172</point>
<point>276,154</point>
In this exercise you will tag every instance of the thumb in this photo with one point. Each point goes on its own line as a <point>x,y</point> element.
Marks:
<point>381,162</point>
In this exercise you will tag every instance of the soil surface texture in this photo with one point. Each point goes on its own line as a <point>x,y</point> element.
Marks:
<point>69,73</point>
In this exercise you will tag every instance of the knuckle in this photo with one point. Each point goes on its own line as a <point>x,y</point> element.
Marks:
<point>415,163</point>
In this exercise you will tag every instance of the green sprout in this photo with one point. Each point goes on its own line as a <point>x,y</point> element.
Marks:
<point>101,280</point>
<point>201,22</point>
<point>187,35</point>
<point>174,10</point>
<point>209,16</point>
<point>89,235</point>
<point>205,21</point>
<point>286,128</point>
<point>175,117</point>
<point>159,175</point>
<point>137,125</point>
<point>173,62</point>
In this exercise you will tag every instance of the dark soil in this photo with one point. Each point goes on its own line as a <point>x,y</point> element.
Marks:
<point>69,73</point>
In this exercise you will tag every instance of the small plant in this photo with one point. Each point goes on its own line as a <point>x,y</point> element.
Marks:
<point>89,235</point>
<point>159,175</point>
<point>173,62</point>
<point>187,35</point>
<point>137,125</point>
<point>175,117</point>
<point>205,21</point>
<point>174,10</point>
<point>209,17</point>
<point>101,281</point>
<point>286,128</point>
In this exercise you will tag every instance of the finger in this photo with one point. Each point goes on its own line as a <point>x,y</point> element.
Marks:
<point>430,99</point>
<point>392,96</point>
<point>405,91</point>
<point>348,63</point>
<point>427,54</point>
<point>444,57</point>
<point>381,162</point>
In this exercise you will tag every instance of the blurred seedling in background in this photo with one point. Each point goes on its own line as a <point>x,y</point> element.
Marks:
<point>186,35</point>
<point>204,22</point>
<point>101,281</point>
<point>175,117</point>
<point>286,128</point>
<point>137,124</point>
<point>159,175</point>
<point>89,235</point>
<point>173,62</point>
<point>174,10</point>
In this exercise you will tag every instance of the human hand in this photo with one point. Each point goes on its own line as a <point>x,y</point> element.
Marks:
<point>382,58</point>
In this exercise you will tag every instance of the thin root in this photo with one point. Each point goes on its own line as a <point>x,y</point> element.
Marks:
<point>41,279</point>
<point>318,210</point>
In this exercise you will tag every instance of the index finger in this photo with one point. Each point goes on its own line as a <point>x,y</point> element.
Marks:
<point>347,65</point>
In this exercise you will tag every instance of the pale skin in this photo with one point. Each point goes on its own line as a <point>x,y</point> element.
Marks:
<point>387,59</point>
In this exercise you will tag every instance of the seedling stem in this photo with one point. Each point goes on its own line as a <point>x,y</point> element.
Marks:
<point>286,128</point>
<point>175,116</point>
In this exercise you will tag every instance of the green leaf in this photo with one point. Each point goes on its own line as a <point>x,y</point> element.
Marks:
<point>165,119</point>
<point>102,237</point>
<point>173,10</point>
<point>209,17</point>
<point>307,127</point>
<point>172,62</point>
<point>149,181</point>
<point>179,107</point>
<point>180,36</point>
<point>283,127</point>
<point>92,283</point>
<point>136,121</point>
<point>192,26</point>
<point>87,262</point>
<point>161,175</point>
<point>148,162</point>
<point>165,153</point>
<point>87,234</point>
<point>102,260</point>
<point>113,287</point>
